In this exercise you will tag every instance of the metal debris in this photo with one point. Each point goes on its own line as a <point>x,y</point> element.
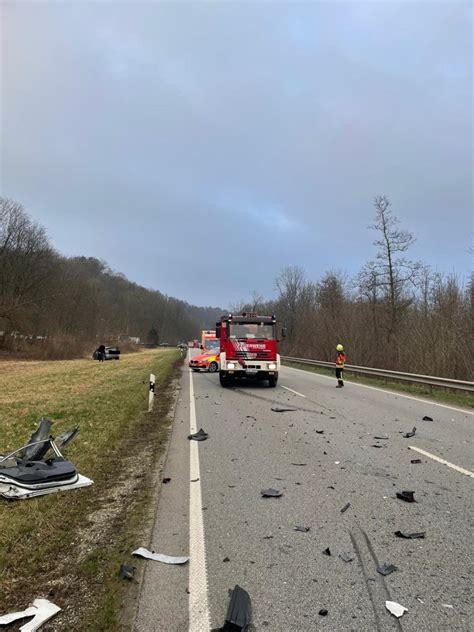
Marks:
<point>158,557</point>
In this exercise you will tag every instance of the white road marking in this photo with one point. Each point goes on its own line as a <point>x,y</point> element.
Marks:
<point>383,390</point>
<point>292,391</point>
<point>437,458</point>
<point>199,620</point>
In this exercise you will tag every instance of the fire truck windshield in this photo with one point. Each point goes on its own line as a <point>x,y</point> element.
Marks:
<point>251,331</point>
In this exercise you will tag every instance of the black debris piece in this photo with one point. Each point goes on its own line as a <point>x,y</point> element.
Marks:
<point>376,445</point>
<point>166,480</point>
<point>276,409</point>
<point>408,497</point>
<point>66,437</point>
<point>327,552</point>
<point>415,461</point>
<point>323,612</point>
<point>411,536</point>
<point>36,451</point>
<point>127,572</point>
<point>238,612</point>
<point>303,529</point>
<point>345,557</point>
<point>319,431</point>
<point>386,569</point>
<point>426,418</point>
<point>382,438</point>
<point>251,417</point>
<point>267,537</point>
<point>226,559</point>
<point>332,418</point>
<point>271,493</point>
<point>346,507</point>
<point>200,435</point>
<point>407,435</point>
<point>299,464</point>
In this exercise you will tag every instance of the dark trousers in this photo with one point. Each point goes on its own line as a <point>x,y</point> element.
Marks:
<point>339,375</point>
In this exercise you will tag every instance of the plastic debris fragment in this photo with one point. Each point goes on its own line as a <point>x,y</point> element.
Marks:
<point>426,418</point>
<point>410,536</point>
<point>323,612</point>
<point>447,605</point>
<point>276,409</point>
<point>346,507</point>
<point>345,557</point>
<point>127,572</point>
<point>395,608</point>
<point>382,438</point>
<point>415,461</point>
<point>238,612</point>
<point>327,551</point>
<point>200,435</point>
<point>270,493</point>
<point>299,464</point>
<point>408,497</point>
<point>42,610</point>
<point>407,435</point>
<point>319,431</point>
<point>303,529</point>
<point>166,480</point>
<point>386,569</point>
<point>158,557</point>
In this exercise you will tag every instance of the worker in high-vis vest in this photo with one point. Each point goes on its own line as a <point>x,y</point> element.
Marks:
<point>340,360</point>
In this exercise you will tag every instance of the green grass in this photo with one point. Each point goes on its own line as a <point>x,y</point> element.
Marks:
<point>69,546</point>
<point>464,400</point>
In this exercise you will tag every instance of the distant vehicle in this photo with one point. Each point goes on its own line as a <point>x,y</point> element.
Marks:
<point>209,340</point>
<point>195,344</point>
<point>183,346</point>
<point>164,344</point>
<point>208,361</point>
<point>111,353</point>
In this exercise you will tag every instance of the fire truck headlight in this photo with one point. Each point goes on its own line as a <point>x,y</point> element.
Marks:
<point>230,366</point>
<point>272,367</point>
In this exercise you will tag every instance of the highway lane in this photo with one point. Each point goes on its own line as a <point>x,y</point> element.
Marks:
<point>289,579</point>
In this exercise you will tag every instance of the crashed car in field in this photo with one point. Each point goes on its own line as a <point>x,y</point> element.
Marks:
<point>38,467</point>
<point>208,361</point>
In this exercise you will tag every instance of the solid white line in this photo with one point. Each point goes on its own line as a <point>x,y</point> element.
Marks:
<point>290,389</point>
<point>383,390</point>
<point>199,620</point>
<point>437,458</point>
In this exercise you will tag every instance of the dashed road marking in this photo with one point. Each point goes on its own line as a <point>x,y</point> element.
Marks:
<point>292,391</point>
<point>440,460</point>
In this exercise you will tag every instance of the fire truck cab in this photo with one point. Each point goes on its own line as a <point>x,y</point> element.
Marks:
<point>248,347</point>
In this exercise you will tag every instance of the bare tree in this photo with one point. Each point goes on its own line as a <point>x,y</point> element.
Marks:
<point>289,284</point>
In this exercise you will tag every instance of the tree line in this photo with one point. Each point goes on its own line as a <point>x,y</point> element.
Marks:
<point>395,313</point>
<point>44,295</point>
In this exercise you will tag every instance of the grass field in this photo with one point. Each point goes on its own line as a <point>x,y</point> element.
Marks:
<point>459,398</point>
<point>68,546</point>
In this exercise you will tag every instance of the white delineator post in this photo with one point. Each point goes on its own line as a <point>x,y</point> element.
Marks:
<point>151,392</point>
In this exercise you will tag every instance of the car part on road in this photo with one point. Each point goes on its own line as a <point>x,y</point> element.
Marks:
<point>42,610</point>
<point>345,557</point>
<point>302,529</point>
<point>386,569</point>
<point>271,493</point>
<point>323,612</point>
<point>277,409</point>
<point>410,536</point>
<point>407,435</point>
<point>319,431</point>
<point>200,435</point>
<point>127,572</point>
<point>395,608</point>
<point>166,480</point>
<point>327,552</point>
<point>415,461</point>
<point>346,507</point>
<point>238,612</point>
<point>408,497</point>
<point>426,418</point>
<point>159,557</point>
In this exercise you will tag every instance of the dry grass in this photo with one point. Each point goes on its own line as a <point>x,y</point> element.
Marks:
<point>66,546</point>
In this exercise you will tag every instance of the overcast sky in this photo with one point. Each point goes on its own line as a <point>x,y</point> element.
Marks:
<point>200,147</point>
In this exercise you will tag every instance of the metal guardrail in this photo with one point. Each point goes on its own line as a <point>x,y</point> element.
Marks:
<point>414,378</point>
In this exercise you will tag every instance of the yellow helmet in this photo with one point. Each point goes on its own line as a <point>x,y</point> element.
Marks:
<point>339,348</point>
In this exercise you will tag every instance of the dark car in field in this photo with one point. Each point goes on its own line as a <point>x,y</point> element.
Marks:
<point>110,353</point>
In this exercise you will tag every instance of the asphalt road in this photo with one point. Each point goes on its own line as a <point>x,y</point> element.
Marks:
<point>332,431</point>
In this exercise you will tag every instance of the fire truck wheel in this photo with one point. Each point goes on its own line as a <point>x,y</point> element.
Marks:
<point>213,367</point>
<point>272,380</point>
<point>223,379</point>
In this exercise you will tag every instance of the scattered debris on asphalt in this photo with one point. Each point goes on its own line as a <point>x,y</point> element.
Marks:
<point>382,438</point>
<point>319,431</point>
<point>395,608</point>
<point>238,612</point>
<point>303,529</point>
<point>267,537</point>
<point>410,536</point>
<point>415,461</point>
<point>200,435</point>
<point>251,417</point>
<point>127,572</point>
<point>386,569</point>
<point>299,464</point>
<point>226,559</point>
<point>426,418</point>
<point>38,467</point>
<point>166,480</point>
<point>447,605</point>
<point>158,557</point>
<point>194,480</point>
<point>377,445</point>
<point>407,435</point>
<point>346,507</point>
<point>408,497</point>
<point>271,493</point>
<point>323,612</point>
<point>41,609</point>
<point>345,557</point>
<point>276,409</point>
<point>327,552</point>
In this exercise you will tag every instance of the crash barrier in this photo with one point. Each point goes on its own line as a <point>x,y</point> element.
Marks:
<point>151,392</point>
<point>398,376</point>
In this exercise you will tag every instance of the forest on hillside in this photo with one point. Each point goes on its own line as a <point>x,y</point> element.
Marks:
<point>74,300</point>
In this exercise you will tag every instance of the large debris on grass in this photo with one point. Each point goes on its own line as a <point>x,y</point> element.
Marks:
<point>38,467</point>
<point>41,610</point>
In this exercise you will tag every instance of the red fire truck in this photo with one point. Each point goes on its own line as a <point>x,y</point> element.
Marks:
<point>248,347</point>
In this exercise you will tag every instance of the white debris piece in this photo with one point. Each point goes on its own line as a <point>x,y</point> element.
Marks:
<point>158,557</point>
<point>9,490</point>
<point>447,605</point>
<point>395,608</point>
<point>42,610</point>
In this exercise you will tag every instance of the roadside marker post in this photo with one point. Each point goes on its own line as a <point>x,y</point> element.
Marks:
<point>151,392</point>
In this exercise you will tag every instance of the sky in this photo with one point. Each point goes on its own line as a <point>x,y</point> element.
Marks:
<point>201,147</point>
